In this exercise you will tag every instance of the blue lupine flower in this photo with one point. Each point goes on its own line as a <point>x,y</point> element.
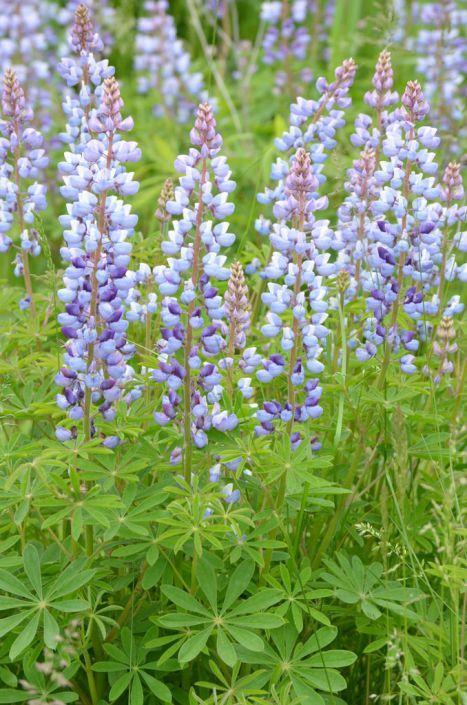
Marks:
<point>193,345</point>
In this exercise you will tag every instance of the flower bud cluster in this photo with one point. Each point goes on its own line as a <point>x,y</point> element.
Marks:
<point>163,65</point>
<point>103,18</point>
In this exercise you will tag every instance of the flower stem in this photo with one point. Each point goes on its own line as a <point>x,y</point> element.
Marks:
<point>187,447</point>
<point>340,412</point>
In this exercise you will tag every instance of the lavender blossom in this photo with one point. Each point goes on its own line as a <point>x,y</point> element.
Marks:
<point>163,66</point>
<point>367,134</point>
<point>22,161</point>
<point>193,344</point>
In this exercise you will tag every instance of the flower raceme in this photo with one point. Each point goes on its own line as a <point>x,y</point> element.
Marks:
<point>193,346</point>
<point>98,285</point>
<point>296,299</point>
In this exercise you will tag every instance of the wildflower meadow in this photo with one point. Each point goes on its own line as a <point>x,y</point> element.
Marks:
<point>232,267</point>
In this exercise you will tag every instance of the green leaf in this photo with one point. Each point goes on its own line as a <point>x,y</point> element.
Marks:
<point>23,640</point>
<point>32,568</point>
<point>317,641</point>
<point>260,620</point>
<point>307,694</point>
<point>8,696</point>
<point>70,605</point>
<point>51,630</point>
<point>225,649</point>
<point>178,620</point>
<point>192,646</point>
<point>238,583</point>
<point>208,582</point>
<point>108,667</point>
<point>120,685</point>
<point>333,658</point>
<point>9,623</point>
<point>183,599</point>
<point>12,603</point>
<point>260,601</point>
<point>153,574</point>
<point>71,580</point>
<point>246,638</point>
<point>157,687</point>
<point>136,693</point>
<point>9,583</point>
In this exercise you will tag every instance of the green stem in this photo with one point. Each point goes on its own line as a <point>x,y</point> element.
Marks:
<point>187,448</point>
<point>340,413</point>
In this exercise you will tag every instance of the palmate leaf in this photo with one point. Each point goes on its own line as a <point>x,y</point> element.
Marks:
<point>229,618</point>
<point>356,583</point>
<point>310,668</point>
<point>194,644</point>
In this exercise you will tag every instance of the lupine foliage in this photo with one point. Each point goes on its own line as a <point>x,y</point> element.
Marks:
<point>231,357</point>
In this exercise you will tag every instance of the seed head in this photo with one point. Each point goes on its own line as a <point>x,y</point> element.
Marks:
<point>167,194</point>
<point>236,304</point>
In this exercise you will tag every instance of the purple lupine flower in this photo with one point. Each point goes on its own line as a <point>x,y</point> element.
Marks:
<point>441,49</point>
<point>85,74</point>
<point>296,288</point>
<point>163,65</point>
<point>96,281</point>
<point>22,161</point>
<point>355,216</point>
<point>313,125</point>
<point>192,345</point>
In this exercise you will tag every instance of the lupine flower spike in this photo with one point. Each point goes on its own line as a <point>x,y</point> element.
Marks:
<point>192,346</point>
<point>97,283</point>
<point>22,161</point>
<point>299,295</point>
